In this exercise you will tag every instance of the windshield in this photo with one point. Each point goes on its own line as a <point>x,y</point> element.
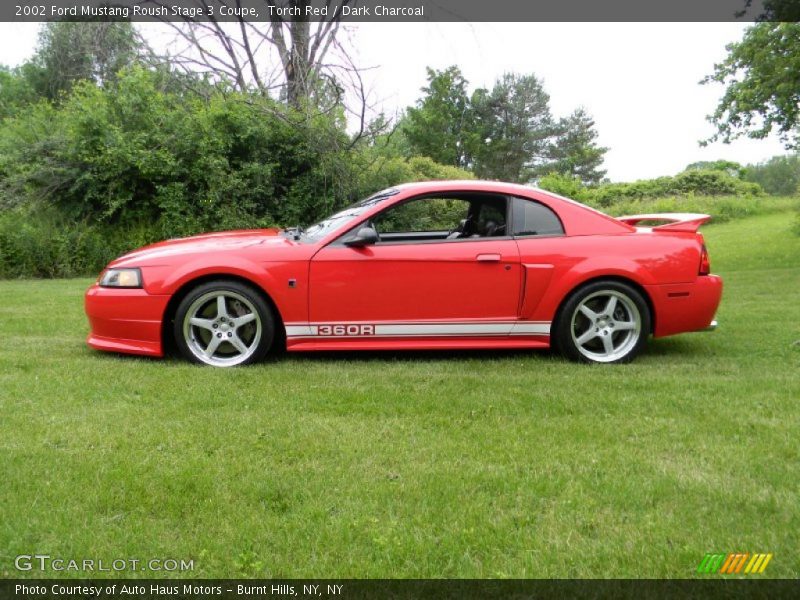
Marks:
<point>317,231</point>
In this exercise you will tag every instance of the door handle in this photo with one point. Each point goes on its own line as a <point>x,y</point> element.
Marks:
<point>488,258</point>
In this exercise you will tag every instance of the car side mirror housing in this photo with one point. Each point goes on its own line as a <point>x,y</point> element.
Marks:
<point>366,236</point>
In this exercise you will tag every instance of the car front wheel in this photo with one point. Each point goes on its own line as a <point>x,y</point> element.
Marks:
<point>603,322</point>
<point>224,324</point>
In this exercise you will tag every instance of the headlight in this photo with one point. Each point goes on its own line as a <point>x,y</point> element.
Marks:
<point>122,278</point>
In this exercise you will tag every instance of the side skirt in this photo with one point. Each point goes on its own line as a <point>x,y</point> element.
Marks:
<point>394,335</point>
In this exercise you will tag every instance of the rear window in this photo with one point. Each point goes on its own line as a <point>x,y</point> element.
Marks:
<point>533,218</point>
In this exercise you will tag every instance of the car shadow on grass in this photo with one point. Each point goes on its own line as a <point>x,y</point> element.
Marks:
<point>334,356</point>
<point>416,355</point>
<point>671,346</point>
<point>662,347</point>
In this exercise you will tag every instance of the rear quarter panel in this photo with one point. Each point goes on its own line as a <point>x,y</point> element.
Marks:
<point>555,266</point>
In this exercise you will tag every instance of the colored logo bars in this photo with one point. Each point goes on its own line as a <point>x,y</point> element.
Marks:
<point>735,562</point>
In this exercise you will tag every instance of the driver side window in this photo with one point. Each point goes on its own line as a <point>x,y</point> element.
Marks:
<point>440,218</point>
<point>427,215</point>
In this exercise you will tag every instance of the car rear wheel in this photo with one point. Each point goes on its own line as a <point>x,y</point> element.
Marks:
<point>224,324</point>
<point>603,322</point>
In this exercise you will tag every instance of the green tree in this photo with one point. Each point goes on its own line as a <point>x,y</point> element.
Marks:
<point>16,90</point>
<point>575,152</point>
<point>780,175</point>
<point>514,129</point>
<point>70,52</point>
<point>440,125</point>
<point>763,87</point>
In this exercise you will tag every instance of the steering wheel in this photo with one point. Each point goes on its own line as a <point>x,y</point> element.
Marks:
<point>461,230</point>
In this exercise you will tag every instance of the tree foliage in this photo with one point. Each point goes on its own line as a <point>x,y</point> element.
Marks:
<point>515,129</point>
<point>291,58</point>
<point>16,91</point>
<point>569,186</point>
<point>69,52</point>
<point>762,78</point>
<point>382,172</point>
<point>506,132</point>
<point>440,125</point>
<point>135,153</point>
<point>576,152</point>
<point>780,175</point>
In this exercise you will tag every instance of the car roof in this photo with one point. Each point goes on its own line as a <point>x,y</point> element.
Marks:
<point>578,219</point>
<point>467,184</point>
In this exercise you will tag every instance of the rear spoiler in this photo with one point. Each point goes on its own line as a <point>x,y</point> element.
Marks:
<point>688,222</point>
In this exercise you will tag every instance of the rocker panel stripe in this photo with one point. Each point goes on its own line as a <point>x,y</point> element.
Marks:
<point>434,329</point>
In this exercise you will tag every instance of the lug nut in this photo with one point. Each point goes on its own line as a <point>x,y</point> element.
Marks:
<point>219,335</point>
<point>215,325</point>
<point>230,334</point>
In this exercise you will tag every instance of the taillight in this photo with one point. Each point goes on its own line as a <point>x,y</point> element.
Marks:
<point>705,262</point>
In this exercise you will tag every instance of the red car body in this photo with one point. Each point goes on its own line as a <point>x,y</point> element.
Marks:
<point>496,292</point>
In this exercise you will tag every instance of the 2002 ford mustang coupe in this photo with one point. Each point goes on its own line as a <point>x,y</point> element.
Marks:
<point>421,266</point>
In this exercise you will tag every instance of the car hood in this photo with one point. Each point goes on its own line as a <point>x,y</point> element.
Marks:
<point>162,252</point>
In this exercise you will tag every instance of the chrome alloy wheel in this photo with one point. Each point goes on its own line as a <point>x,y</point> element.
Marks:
<point>222,328</point>
<point>606,326</point>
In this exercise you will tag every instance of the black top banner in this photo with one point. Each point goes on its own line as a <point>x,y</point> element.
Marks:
<point>398,11</point>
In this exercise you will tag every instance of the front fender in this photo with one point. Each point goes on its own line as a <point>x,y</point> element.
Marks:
<point>290,302</point>
<point>168,280</point>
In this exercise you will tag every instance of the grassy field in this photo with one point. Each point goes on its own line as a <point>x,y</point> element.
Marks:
<point>414,464</point>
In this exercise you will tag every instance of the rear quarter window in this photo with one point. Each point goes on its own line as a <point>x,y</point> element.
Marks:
<point>532,218</point>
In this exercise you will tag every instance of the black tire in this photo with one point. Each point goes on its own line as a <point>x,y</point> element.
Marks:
<point>582,337</point>
<point>237,330</point>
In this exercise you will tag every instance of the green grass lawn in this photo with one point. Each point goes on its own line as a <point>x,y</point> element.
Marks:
<point>514,464</point>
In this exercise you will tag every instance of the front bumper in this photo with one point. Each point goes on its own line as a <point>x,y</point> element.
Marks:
<point>125,320</point>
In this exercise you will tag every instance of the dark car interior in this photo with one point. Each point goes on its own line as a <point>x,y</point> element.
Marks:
<point>444,218</point>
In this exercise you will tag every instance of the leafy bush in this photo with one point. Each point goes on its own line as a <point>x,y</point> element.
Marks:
<point>134,154</point>
<point>718,192</point>
<point>46,245</point>
<point>380,172</point>
<point>566,185</point>
<point>694,181</point>
<point>734,169</point>
<point>721,208</point>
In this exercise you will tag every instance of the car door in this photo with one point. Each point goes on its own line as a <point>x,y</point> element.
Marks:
<point>427,279</point>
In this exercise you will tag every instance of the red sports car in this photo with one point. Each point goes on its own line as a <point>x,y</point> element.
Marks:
<point>458,264</point>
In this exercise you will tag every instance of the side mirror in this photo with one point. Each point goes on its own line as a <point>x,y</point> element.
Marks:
<point>366,236</point>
